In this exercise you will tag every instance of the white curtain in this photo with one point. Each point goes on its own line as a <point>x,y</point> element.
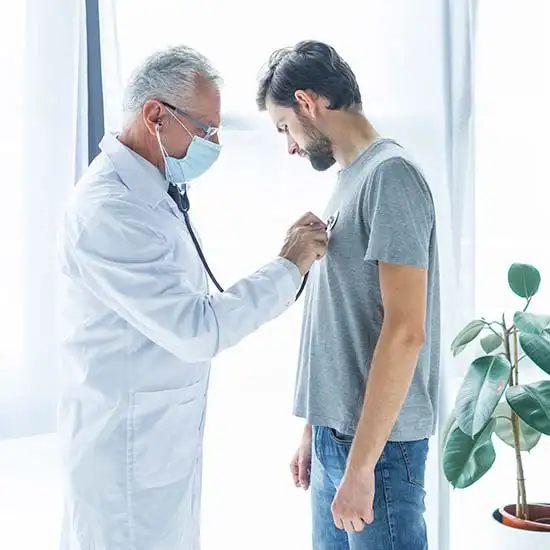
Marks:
<point>44,149</point>
<point>457,214</point>
<point>49,139</point>
<point>12,44</point>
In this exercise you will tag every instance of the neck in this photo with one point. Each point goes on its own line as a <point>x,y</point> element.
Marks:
<point>350,133</point>
<point>143,146</point>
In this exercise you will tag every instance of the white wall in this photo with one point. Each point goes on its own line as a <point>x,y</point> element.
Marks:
<point>512,195</point>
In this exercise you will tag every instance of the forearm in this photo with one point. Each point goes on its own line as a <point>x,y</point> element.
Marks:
<point>390,376</point>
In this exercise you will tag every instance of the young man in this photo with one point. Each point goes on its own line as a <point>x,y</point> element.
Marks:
<point>369,362</point>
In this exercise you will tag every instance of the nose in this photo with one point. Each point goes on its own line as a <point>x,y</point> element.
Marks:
<point>292,146</point>
<point>215,139</point>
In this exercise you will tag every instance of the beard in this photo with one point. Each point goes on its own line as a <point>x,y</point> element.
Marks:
<point>319,149</point>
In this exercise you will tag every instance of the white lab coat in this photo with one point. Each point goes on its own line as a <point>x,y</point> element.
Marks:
<point>137,333</point>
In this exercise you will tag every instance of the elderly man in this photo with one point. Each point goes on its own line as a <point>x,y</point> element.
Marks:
<point>138,325</point>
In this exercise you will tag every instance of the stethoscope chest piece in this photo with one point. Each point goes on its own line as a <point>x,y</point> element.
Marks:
<point>331,222</point>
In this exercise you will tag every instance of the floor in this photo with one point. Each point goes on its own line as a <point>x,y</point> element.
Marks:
<point>30,496</point>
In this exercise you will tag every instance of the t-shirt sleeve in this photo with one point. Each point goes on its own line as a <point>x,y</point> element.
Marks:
<point>400,214</point>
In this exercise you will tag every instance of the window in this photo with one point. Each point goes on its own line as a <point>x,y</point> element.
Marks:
<point>512,176</point>
<point>512,121</point>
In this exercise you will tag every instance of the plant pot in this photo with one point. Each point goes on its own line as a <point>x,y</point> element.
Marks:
<point>505,537</point>
<point>539,517</point>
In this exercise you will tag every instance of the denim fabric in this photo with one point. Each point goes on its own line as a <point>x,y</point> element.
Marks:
<point>398,502</point>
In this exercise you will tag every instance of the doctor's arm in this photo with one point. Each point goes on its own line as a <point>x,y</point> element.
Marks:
<point>130,267</point>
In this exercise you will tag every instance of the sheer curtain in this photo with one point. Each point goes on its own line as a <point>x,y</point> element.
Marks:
<point>48,140</point>
<point>414,75</point>
<point>44,149</point>
<point>55,153</point>
<point>12,51</point>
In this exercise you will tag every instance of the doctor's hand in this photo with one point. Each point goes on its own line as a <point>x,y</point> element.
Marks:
<point>300,467</point>
<point>306,242</point>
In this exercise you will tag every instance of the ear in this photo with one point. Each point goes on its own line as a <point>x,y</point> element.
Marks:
<point>153,114</point>
<point>307,102</point>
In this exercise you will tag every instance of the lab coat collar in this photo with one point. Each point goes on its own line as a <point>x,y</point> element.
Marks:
<point>137,173</point>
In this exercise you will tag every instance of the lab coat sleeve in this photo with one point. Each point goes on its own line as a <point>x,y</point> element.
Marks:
<point>130,267</point>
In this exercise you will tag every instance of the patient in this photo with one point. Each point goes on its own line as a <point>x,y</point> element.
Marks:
<point>368,371</point>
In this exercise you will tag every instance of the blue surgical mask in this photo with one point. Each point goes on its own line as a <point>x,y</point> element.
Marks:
<point>201,155</point>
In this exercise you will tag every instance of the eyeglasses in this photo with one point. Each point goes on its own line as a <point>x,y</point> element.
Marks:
<point>209,131</point>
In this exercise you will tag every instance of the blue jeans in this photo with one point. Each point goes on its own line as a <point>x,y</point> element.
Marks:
<point>398,502</point>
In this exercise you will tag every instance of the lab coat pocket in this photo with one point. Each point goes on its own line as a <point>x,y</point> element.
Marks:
<point>165,435</point>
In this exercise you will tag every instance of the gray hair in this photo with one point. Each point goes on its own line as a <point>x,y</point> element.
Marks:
<point>169,76</point>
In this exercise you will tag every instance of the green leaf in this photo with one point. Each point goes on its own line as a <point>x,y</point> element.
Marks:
<point>537,348</point>
<point>528,437</point>
<point>491,343</point>
<point>466,460</point>
<point>480,392</point>
<point>447,427</point>
<point>469,333</point>
<point>532,404</point>
<point>524,280</point>
<point>531,322</point>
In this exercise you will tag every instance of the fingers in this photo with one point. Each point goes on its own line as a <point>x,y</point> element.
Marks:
<point>368,518</point>
<point>357,525</point>
<point>316,239</point>
<point>317,234</point>
<point>354,519</point>
<point>309,219</point>
<point>353,525</point>
<point>300,469</point>
<point>304,474</point>
<point>295,471</point>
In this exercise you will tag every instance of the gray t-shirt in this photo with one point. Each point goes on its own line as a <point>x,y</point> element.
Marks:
<point>382,210</point>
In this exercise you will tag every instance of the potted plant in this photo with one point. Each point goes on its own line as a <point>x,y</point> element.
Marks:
<point>493,401</point>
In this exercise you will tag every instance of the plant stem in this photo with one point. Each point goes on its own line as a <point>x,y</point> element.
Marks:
<point>508,353</point>
<point>516,356</point>
<point>522,510</point>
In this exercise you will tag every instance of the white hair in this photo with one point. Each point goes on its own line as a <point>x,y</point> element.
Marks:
<point>169,76</point>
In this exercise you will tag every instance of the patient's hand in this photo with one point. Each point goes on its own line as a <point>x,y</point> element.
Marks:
<point>300,466</point>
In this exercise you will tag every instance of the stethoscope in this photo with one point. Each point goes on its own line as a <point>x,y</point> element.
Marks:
<point>182,201</point>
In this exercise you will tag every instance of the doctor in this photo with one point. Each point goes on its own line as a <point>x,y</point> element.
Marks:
<point>138,326</point>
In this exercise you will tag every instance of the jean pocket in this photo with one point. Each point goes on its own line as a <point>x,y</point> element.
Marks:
<point>340,438</point>
<point>165,434</point>
<point>414,455</point>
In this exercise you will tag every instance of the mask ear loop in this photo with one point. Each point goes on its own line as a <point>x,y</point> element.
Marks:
<point>162,149</point>
<point>164,153</point>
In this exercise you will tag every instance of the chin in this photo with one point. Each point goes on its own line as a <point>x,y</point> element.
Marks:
<point>322,166</point>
